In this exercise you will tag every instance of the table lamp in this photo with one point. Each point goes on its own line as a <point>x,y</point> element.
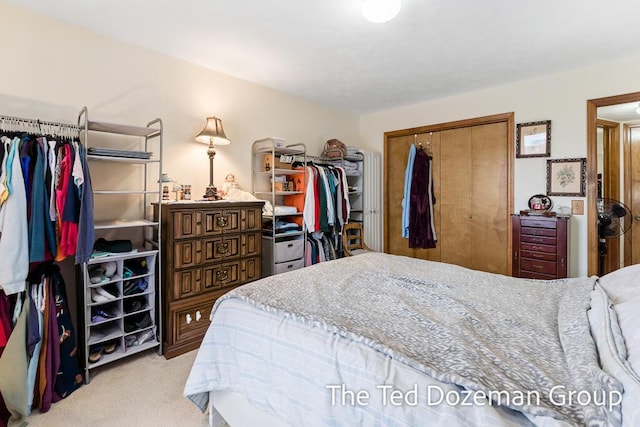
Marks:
<point>212,134</point>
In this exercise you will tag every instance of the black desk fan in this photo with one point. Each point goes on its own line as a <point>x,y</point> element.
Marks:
<point>614,219</point>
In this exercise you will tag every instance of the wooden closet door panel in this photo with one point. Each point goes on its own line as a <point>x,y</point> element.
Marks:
<point>490,219</point>
<point>396,166</point>
<point>455,196</point>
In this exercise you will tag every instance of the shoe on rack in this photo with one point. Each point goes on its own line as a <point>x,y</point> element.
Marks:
<point>98,297</point>
<point>145,336</point>
<point>104,293</point>
<point>96,275</point>
<point>130,341</point>
<point>110,347</point>
<point>99,315</point>
<point>95,353</point>
<point>109,268</point>
<point>144,321</point>
<point>134,305</point>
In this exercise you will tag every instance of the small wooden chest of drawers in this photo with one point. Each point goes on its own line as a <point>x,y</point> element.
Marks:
<point>208,249</point>
<point>540,247</point>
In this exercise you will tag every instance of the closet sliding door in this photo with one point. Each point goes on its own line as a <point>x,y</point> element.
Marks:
<point>473,187</point>
<point>395,165</point>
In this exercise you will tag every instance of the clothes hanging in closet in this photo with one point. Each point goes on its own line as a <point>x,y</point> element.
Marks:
<point>320,247</point>
<point>326,210</point>
<point>46,215</point>
<point>326,199</point>
<point>46,200</point>
<point>422,232</point>
<point>38,364</point>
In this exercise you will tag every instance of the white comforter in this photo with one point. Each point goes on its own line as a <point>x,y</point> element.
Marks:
<point>313,376</point>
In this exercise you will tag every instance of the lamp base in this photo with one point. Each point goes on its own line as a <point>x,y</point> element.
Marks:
<point>211,193</point>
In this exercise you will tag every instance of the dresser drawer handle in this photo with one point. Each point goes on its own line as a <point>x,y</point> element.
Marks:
<point>539,267</point>
<point>198,315</point>
<point>189,319</point>
<point>223,248</point>
<point>222,221</point>
<point>539,256</point>
<point>222,275</point>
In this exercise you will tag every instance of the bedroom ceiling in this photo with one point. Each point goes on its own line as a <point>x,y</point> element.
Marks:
<point>325,51</point>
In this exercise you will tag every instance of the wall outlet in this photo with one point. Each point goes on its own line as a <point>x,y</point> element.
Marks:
<point>577,207</point>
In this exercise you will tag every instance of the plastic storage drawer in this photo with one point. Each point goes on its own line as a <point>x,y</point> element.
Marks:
<point>288,250</point>
<point>282,267</point>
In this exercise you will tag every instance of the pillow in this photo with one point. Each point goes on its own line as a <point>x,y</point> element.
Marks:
<point>623,284</point>
<point>623,288</point>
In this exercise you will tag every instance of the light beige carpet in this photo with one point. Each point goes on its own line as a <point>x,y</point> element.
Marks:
<point>143,390</point>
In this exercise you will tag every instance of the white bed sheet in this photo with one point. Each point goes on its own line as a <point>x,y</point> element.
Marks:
<point>284,369</point>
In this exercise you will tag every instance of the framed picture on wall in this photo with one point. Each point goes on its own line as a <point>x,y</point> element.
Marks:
<point>533,139</point>
<point>567,177</point>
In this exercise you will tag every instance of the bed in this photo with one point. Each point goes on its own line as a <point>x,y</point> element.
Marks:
<point>385,340</point>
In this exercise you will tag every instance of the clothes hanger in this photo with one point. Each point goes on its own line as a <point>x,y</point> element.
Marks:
<point>417,144</point>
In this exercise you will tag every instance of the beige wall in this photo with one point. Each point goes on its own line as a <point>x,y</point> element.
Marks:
<point>52,69</point>
<point>560,98</point>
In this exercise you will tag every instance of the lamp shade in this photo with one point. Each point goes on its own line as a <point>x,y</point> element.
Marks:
<point>213,133</point>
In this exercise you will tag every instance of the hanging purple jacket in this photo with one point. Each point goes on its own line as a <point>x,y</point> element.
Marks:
<point>421,233</point>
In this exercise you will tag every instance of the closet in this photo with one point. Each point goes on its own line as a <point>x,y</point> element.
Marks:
<point>471,168</point>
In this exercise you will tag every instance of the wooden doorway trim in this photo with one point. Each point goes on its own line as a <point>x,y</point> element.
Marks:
<point>611,174</point>
<point>592,172</point>
<point>507,118</point>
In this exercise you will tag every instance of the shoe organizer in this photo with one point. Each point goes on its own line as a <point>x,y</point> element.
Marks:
<point>120,313</point>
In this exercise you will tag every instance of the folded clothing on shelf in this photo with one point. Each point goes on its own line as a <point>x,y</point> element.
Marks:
<point>116,246</point>
<point>285,210</point>
<point>281,226</point>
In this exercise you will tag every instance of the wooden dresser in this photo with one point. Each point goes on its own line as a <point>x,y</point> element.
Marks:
<point>540,246</point>
<point>208,248</point>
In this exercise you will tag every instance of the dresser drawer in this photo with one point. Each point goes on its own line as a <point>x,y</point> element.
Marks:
<point>534,247</point>
<point>538,223</point>
<point>538,266</point>
<point>544,240</point>
<point>191,322</point>
<point>190,223</point>
<point>188,253</point>
<point>545,256</point>
<point>532,231</point>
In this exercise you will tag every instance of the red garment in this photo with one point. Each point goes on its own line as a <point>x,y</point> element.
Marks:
<point>67,231</point>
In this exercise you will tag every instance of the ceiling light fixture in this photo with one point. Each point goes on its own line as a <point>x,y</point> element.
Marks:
<point>379,11</point>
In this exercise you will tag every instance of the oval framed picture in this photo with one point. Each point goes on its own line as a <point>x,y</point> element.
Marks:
<point>540,202</point>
